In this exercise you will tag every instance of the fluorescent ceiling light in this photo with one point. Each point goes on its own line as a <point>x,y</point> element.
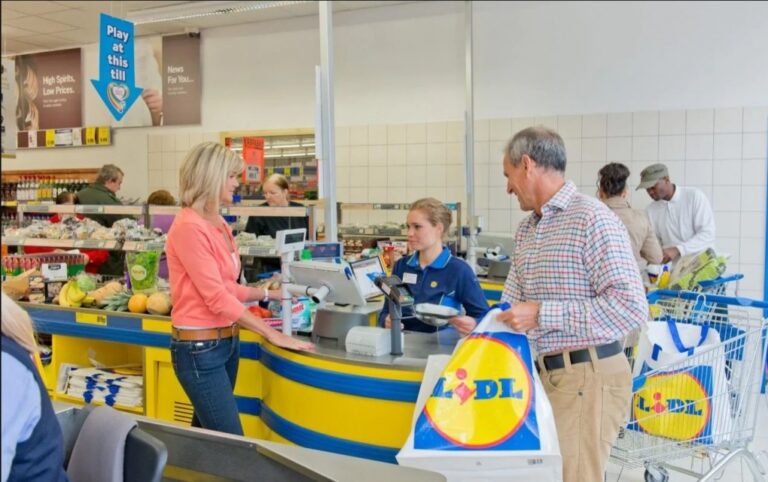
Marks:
<point>190,10</point>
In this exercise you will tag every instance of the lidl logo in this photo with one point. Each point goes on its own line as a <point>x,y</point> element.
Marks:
<point>484,398</point>
<point>674,405</point>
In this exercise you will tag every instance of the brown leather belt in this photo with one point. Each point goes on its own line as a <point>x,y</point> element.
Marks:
<point>187,334</point>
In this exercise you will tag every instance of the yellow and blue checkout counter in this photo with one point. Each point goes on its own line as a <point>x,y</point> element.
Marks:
<point>327,399</point>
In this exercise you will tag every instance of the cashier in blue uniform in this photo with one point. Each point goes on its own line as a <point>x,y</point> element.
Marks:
<point>433,275</point>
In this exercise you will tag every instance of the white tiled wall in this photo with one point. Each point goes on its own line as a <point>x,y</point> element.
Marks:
<point>720,151</point>
<point>164,155</point>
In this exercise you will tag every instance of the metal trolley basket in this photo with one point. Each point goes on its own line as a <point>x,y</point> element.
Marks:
<point>685,412</point>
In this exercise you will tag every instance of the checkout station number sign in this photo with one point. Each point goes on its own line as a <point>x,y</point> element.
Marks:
<point>483,400</point>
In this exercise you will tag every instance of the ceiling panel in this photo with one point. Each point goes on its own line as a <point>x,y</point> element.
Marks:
<point>39,25</point>
<point>48,42</point>
<point>73,16</point>
<point>77,22</point>
<point>10,13</point>
<point>11,47</point>
<point>34,8</point>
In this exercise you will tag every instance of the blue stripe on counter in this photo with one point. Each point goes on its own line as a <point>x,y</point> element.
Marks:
<point>361,386</point>
<point>96,332</point>
<point>492,295</point>
<point>314,440</point>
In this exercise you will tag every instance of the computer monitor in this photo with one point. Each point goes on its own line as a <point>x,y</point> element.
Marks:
<point>337,278</point>
<point>366,270</point>
<point>324,251</point>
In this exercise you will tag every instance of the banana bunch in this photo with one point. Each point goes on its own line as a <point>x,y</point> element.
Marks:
<point>117,301</point>
<point>71,296</point>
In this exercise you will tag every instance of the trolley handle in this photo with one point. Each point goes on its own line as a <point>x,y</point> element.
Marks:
<point>721,280</point>
<point>654,296</point>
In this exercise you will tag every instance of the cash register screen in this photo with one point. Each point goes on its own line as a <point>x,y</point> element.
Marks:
<point>366,271</point>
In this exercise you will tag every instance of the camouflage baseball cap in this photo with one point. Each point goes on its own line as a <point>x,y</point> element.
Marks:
<point>651,175</point>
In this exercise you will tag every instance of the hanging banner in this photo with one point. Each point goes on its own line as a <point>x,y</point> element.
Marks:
<point>182,83</point>
<point>9,99</point>
<point>253,155</point>
<point>116,84</point>
<point>49,90</point>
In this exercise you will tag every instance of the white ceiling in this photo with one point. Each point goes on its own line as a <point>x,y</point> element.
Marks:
<point>34,26</point>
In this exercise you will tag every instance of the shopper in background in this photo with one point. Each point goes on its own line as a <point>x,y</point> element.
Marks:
<point>275,189</point>
<point>208,305</point>
<point>613,191</point>
<point>162,222</point>
<point>681,216</point>
<point>102,192</point>
<point>432,274</point>
<point>33,446</point>
<point>94,258</point>
<point>575,291</point>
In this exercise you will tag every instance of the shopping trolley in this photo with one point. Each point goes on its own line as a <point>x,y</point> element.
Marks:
<point>702,407</point>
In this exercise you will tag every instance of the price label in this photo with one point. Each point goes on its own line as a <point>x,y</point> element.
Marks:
<point>13,241</point>
<point>90,209</point>
<point>50,138</point>
<point>89,243</point>
<point>91,318</point>
<point>224,211</point>
<point>90,136</point>
<point>103,133</point>
<point>130,246</point>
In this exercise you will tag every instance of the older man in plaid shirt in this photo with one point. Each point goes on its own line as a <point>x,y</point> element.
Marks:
<point>575,290</point>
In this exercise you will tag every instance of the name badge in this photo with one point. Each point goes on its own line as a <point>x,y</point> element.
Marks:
<point>409,278</point>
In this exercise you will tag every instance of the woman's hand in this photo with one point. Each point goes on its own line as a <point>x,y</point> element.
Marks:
<point>463,324</point>
<point>388,323</point>
<point>277,338</point>
<point>275,294</point>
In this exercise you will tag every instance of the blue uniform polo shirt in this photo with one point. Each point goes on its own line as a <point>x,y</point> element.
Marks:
<point>448,280</point>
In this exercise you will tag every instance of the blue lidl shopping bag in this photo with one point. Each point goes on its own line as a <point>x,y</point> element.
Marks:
<point>482,413</point>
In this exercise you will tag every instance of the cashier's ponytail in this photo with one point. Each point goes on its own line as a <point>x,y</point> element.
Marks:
<point>435,212</point>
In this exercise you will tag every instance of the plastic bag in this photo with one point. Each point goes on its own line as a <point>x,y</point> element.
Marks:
<point>482,414</point>
<point>143,267</point>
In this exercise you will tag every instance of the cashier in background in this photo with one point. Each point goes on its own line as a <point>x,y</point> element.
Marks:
<point>275,190</point>
<point>432,274</point>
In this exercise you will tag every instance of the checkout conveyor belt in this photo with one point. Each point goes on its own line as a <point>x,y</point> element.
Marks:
<point>205,456</point>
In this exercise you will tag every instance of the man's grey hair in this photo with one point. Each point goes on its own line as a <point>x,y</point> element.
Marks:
<point>108,172</point>
<point>541,144</point>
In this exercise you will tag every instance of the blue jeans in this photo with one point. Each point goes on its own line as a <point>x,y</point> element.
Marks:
<point>207,370</point>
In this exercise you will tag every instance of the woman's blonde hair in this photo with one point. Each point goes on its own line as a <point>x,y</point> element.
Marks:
<point>203,173</point>
<point>435,212</point>
<point>17,325</point>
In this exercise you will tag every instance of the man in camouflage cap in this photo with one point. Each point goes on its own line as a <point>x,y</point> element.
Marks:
<point>681,216</point>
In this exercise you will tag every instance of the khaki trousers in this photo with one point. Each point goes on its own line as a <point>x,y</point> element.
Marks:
<point>590,402</point>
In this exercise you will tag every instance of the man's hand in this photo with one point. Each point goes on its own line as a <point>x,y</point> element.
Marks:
<point>669,254</point>
<point>463,324</point>
<point>154,101</point>
<point>522,317</point>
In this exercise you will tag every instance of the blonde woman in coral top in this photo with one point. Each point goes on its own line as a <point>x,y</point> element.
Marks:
<point>208,310</point>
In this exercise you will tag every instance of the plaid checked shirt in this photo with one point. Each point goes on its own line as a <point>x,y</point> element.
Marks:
<point>576,259</point>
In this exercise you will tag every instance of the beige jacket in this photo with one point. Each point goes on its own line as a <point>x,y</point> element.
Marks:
<point>645,244</point>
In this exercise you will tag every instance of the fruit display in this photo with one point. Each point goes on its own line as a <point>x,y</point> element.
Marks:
<point>72,296</point>
<point>159,303</point>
